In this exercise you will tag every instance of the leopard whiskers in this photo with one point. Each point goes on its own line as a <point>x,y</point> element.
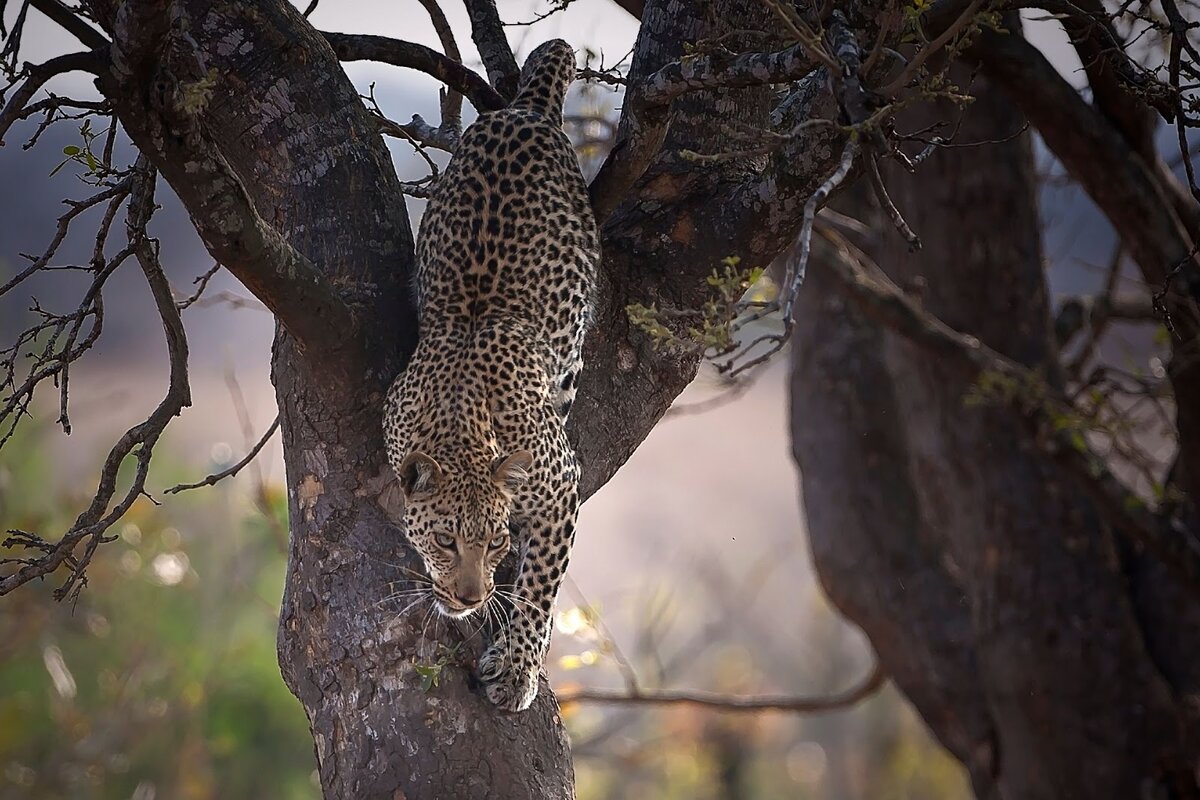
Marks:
<point>399,595</point>
<point>412,605</point>
<point>412,573</point>
<point>431,614</point>
<point>518,602</point>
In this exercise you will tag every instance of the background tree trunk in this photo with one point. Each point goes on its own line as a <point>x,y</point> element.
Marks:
<point>1031,639</point>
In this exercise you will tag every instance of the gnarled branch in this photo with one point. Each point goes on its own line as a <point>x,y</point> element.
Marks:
<point>367,47</point>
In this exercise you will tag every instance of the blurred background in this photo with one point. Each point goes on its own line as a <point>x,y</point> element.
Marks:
<point>161,680</point>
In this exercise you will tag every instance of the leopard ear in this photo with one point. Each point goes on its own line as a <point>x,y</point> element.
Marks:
<point>514,470</point>
<point>418,473</point>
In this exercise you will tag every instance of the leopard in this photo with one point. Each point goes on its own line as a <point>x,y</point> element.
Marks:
<point>475,425</point>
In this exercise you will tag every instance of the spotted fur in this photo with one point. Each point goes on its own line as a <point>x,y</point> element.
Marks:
<point>506,264</point>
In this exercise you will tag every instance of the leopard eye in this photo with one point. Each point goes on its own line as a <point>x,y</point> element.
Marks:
<point>498,541</point>
<point>444,540</point>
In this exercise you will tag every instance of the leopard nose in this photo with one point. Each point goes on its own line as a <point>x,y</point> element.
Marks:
<point>469,597</point>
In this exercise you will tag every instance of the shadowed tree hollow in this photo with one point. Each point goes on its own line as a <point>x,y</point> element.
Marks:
<point>980,497</point>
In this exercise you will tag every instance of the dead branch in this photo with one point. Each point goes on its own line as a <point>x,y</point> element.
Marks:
<point>451,99</point>
<point>797,266</point>
<point>139,441</point>
<point>201,283</point>
<point>885,200</point>
<point>55,341</point>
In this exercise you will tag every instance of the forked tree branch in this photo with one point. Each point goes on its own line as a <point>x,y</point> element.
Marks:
<point>451,105</point>
<point>1095,154</point>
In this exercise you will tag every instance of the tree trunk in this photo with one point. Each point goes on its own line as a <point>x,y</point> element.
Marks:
<point>272,137</point>
<point>1040,649</point>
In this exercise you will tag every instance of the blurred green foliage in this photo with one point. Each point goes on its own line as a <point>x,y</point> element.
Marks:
<point>161,681</point>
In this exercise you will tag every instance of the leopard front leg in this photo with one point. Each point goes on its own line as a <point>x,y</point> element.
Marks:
<point>512,663</point>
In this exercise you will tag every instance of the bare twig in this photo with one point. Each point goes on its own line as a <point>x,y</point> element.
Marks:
<point>39,74</point>
<point>201,283</point>
<point>231,470</point>
<point>732,703</point>
<point>885,200</point>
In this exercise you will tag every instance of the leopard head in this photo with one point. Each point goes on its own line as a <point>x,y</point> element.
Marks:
<point>456,516</point>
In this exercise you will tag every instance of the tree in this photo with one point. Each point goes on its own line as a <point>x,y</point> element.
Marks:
<point>740,118</point>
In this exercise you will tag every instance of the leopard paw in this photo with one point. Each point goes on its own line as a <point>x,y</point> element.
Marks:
<point>494,661</point>
<point>513,689</point>
<point>508,681</point>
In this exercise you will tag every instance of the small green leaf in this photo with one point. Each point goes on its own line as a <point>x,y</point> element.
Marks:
<point>70,150</point>
<point>91,161</point>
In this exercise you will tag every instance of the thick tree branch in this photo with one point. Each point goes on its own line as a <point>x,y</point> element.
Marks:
<point>1110,72</point>
<point>168,130</point>
<point>366,47</point>
<point>1127,190</point>
<point>634,7</point>
<point>71,22</point>
<point>291,286</point>
<point>726,71</point>
<point>487,31</point>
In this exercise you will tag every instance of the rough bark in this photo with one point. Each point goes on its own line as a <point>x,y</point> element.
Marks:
<point>1012,616</point>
